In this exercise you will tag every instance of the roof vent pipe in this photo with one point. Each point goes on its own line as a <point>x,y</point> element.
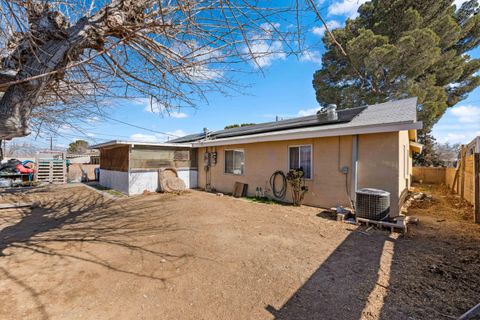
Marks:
<point>331,111</point>
<point>205,132</point>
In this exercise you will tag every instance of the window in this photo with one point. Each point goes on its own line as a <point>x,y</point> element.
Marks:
<point>234,161</point>
<point>300,157</point>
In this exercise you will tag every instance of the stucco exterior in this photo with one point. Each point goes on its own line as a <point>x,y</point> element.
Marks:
<point>380,165</point>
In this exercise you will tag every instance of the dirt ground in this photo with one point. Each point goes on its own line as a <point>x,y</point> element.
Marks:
<point>81,255</point>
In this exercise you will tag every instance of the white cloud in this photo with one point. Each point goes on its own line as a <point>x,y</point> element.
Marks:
<point>466,114</point>
<point>93,119</point>
<point>452,138</point>
<point>203,73</point>
<point>311,56</point>
<point>345,8</point>
<point>65,128</point>
<point>332,24</point>
<point>264,49</point>
<point>177,133</point>
<point>157,137</point>
<point>307,112</point>
<point>264,53</point>
<point>141,137</point>
<point>155,106</point>
<point>459,125</point>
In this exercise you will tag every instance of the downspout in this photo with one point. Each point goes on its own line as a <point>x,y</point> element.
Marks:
<point>354,185</point>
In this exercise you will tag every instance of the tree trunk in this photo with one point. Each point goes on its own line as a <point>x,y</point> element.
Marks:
<point>19,99</point>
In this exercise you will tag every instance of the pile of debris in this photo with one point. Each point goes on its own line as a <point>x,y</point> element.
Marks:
<point>418,200</point>
<point>168,181</point>
<point>11,171</point>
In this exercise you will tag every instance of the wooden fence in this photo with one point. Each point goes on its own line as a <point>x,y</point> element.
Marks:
<point>463,180</point>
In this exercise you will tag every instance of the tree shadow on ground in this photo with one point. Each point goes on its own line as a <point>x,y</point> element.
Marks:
<point>341,286</point>
<point>88,218</point>
<point>434,277</point>
<point>80,225</point>
<point>431,273</point>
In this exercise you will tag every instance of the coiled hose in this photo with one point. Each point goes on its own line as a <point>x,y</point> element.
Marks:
<point>279,194</point>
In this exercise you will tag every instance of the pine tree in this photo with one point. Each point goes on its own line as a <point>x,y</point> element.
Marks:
<point>402,48</point>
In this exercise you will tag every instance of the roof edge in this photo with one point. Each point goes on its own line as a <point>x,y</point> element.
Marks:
<point>140,143</point>
<point>309,133</point>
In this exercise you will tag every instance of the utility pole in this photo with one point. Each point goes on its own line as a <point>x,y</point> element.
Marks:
<point>50,140</point>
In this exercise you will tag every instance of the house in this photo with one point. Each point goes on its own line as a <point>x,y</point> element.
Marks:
<point>340,151</point>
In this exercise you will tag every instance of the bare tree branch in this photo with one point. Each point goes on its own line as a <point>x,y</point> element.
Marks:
<point>61,59</point>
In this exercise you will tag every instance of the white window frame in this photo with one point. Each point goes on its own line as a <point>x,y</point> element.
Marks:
<point>225,159</point>
<point>311,157</point>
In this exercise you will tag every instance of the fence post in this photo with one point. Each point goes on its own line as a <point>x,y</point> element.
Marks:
<point>476,188</point>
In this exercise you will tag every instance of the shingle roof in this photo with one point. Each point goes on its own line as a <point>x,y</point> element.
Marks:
<point>391,112</point>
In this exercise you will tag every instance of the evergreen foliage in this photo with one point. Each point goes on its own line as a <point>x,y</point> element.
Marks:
<point>403,48</point>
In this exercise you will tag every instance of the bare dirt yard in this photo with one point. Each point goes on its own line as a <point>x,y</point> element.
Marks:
<point>81,255</point>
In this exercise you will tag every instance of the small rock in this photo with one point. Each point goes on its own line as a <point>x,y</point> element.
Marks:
<point>419,196</point>
<point>435,269</point>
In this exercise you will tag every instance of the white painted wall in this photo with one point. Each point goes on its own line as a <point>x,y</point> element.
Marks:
<point>114,180</point>
<point>136,182</point>
<point>189,176</point>
<point>140,181</point>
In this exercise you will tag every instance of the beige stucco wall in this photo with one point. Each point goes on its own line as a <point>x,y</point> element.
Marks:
<point>378,167</point>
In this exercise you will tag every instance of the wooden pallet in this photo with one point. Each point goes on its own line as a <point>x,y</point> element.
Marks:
<point>51,168</point>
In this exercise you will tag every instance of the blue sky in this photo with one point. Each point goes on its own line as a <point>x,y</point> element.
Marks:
<point>284,89</point>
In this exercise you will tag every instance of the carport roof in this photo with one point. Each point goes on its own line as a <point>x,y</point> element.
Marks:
<point>113,143</point>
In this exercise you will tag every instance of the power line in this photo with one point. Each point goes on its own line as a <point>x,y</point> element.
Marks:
<point>139,127</point>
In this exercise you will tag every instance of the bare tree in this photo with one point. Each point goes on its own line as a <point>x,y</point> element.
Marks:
<point>60,59</point>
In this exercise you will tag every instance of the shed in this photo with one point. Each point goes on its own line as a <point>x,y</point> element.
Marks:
<point>132,167</point>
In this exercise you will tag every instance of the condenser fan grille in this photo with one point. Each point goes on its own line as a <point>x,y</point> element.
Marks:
<point>373,204</point>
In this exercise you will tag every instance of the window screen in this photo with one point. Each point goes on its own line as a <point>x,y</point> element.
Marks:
<point>234,161</point>
<point>301,158</point>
